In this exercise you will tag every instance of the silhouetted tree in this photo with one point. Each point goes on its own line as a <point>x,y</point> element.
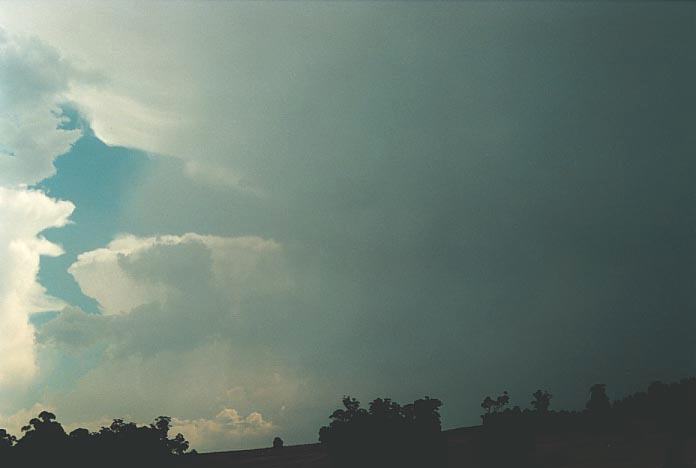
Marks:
<point>599,401</point>
<point>44,443</point>
<point>7,443</point>
<point>542,401</point>
<point>43,435</point>
<point>502,401</point>
<point>488,404</point>
<point>494,406</point>
<point>277,443</point>
<point>174,446</point>
<point>387,434</point>
<point>79,434</point>
<point>7,440</point>
<point>507,438</point>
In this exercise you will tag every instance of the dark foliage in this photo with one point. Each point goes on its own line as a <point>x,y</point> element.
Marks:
<point>664,408</point>
<point>494,406</point>
<point>386,434</point>
<point>45,442</point>
<point>541,401</point>
<point>598,403</point>
<point>506,442</point>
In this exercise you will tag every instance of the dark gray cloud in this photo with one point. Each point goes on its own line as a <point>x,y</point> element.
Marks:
<point>470,198</point>
<point>508,205</point>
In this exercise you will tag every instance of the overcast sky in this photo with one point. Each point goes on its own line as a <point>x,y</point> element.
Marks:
<point>236,213</point>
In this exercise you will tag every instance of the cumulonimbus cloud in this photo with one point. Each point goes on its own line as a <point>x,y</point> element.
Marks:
<point>23,215</point>
<point>33,82</point>
<point>179,312</point>
<point>169,293</point>
<point>135,271</point>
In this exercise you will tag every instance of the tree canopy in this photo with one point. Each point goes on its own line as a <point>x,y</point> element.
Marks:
<point>385,434</point>
<point>44,441</point>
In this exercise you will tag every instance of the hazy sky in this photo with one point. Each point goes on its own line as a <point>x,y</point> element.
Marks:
<point>236,213</point>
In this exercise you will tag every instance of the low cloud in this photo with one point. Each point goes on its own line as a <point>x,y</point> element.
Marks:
<point>228,425</point>
<point>132,272</point>
<point>171,293</point>
<point>14,422</point>
<point>186,329</point>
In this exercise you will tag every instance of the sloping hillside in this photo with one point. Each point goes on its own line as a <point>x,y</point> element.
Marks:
<point>575,451</point>
<point>295,456</point>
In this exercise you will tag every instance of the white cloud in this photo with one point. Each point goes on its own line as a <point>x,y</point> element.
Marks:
<point>132,271</point>
<point>228,426</point>
<point>222,97</point>
<point>184,383</point>
<point>23,215</point>
<point>13,423</point>
<point>185,331</point>
<point>226,429</point>
<point>34,80</point>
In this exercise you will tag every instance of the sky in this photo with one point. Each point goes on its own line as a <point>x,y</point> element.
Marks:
<point>235,213</point>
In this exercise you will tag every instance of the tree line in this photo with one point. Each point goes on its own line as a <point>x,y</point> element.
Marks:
<point>383,434</point>
<point>45,442</point>
<point>666,409</point>
<point>387,434</point>
<point>660,408</point>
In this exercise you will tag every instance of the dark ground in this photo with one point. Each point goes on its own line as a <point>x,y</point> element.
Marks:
<point>569,451</point>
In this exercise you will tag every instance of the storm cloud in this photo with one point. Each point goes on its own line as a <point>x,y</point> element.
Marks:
<point>468,197</point>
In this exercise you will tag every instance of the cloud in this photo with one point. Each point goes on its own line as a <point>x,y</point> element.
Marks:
<point>171,293</point>
<point>132,272</point>
<point>24,214</point>
<point>185,384</point>
<point>73,329</point>
<point>187,327</point>
<point>451,177</point>
<point>228,425</point>
<point>14,422</point>
<point>227,100</point>
<point>34,80</point>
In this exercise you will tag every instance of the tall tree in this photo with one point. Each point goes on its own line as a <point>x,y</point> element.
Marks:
<point>599,401</point>
<point>541,401</point>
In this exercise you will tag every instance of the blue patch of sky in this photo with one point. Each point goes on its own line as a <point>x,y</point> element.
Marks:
<point>98,179</point>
